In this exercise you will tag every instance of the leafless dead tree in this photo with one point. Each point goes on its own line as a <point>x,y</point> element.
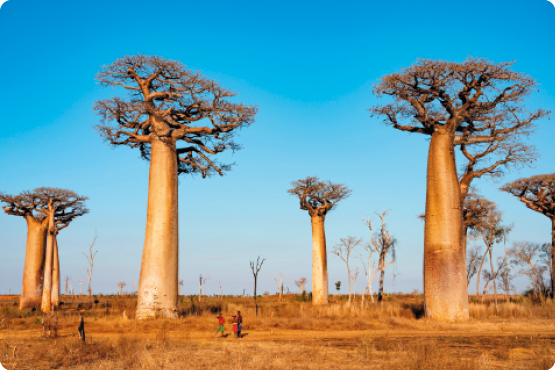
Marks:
<point>255,270</point>
<point>492,231</point>
<point>473,260</point>
<point>476,102</point>
<point>318,198</point>
<point>526,254</point>
<point>90,259</point>
<point>384,244</point>
<point>299,285</point>
<point>343,250</point>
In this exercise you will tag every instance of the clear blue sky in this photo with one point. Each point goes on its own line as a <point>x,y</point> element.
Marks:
<point>309,67</point>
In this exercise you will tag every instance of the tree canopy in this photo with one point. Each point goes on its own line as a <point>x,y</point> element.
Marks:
<point>318,197</point>
<point>476,100</point>
<point>536,192</point>
<point>66,204</point>
<point>167,101</point>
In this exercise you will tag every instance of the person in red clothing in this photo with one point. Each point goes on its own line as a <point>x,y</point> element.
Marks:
<point>221,322</point>
<point>235,325</point>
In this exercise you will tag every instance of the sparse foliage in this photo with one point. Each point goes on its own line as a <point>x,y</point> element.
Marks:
<point>538,194</point>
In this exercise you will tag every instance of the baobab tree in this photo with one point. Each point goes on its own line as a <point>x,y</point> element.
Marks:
<point>384,244</point>
<point>167,104</point>
<point>473,102</point>
<point>280,285</point>
<point>538,194</point>
<point>303,281</point>
<point>343,250</point>
<point>299,285</point>
<point>180,283</point>
<point>26,205</point>
<point>318,198</point>
<point>60,208</point>
<point>66,279</point>
<point>121,285</point>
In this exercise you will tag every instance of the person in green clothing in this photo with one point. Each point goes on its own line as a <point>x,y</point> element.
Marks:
<point>221,322</point>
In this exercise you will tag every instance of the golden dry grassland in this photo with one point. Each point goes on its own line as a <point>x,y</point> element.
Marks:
<point>285,335</point>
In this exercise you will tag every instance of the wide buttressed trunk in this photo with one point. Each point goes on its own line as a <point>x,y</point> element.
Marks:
<point>553,257</point>
<point>55,295</point>
<point>158,280</point>
<point>31,291</point>
<point>446,294</point>
<point>48,264</point>
<point>319,261</point>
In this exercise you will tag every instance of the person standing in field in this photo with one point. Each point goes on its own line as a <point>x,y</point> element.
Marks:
<point>239,324</point>
<point>221,322</point>
<point>235,326</point>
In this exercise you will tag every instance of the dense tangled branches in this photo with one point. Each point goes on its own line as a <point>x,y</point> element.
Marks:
<point>476,100</point>
<point>536,192</point>
<point>318,197</point>
<point>171,103</point>
<point>65,204</point>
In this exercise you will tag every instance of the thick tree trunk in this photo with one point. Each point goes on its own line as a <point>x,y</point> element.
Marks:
<point>446,295</point>
<point>552,257</point>
<point>48,262</point>
<point>33,269</point>
<point>158,279</point>
<point>319,261</point>
<point>55,295</point>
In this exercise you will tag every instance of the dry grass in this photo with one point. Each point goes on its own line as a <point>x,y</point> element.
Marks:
<point>285,335</point>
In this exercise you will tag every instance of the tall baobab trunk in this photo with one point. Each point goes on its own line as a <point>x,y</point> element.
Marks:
<point>48,262</point>
<point>55,295</point>
<point>158,278</point>
<point>33,269</point>
<point>446,295</point>
<point>553,257</point>
<point>319,261</point>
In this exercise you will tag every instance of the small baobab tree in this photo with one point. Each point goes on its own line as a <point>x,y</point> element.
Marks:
<point>343,250</point>
<point>383,243</point>
<point>538,194</point>
<point>62,207</point>
<point>470,103</point>
<point>90,259</point>
<point>80,286</point>
<point>280,285</point>
<point>66,279</point>
<point>167,104</point>
<point>318,198</point>
<point>121,285</point>
<point>255,270</point>
<point>303,281</point>
<point>180,285</point>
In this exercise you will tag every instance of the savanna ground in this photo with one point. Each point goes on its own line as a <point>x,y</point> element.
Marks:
<point>290,334</point>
